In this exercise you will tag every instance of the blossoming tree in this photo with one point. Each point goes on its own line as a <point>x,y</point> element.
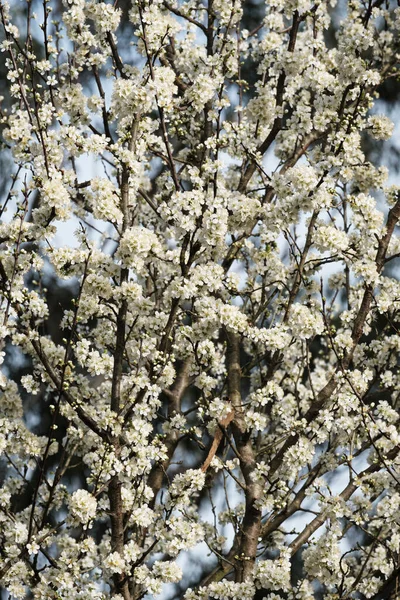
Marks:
<point>227,376</point>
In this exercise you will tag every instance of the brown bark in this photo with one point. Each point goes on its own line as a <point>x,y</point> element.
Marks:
<point>251,524</point>
<point>219,434</point>
<point>117,514</point>
<point>175,395</point>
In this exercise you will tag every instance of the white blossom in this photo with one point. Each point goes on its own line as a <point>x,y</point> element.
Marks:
<point>83,506</point>
<point>381,127</point>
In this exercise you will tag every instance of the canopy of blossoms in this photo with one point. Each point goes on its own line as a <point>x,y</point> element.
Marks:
<point>227,378</point>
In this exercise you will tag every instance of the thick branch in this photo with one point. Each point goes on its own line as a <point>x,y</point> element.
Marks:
<point>251,524</point>
<point>157,473</point>
<point>114,490</point>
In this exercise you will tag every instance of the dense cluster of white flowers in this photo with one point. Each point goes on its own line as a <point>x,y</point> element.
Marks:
<point>224,383</point>
<point>82,506</point>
